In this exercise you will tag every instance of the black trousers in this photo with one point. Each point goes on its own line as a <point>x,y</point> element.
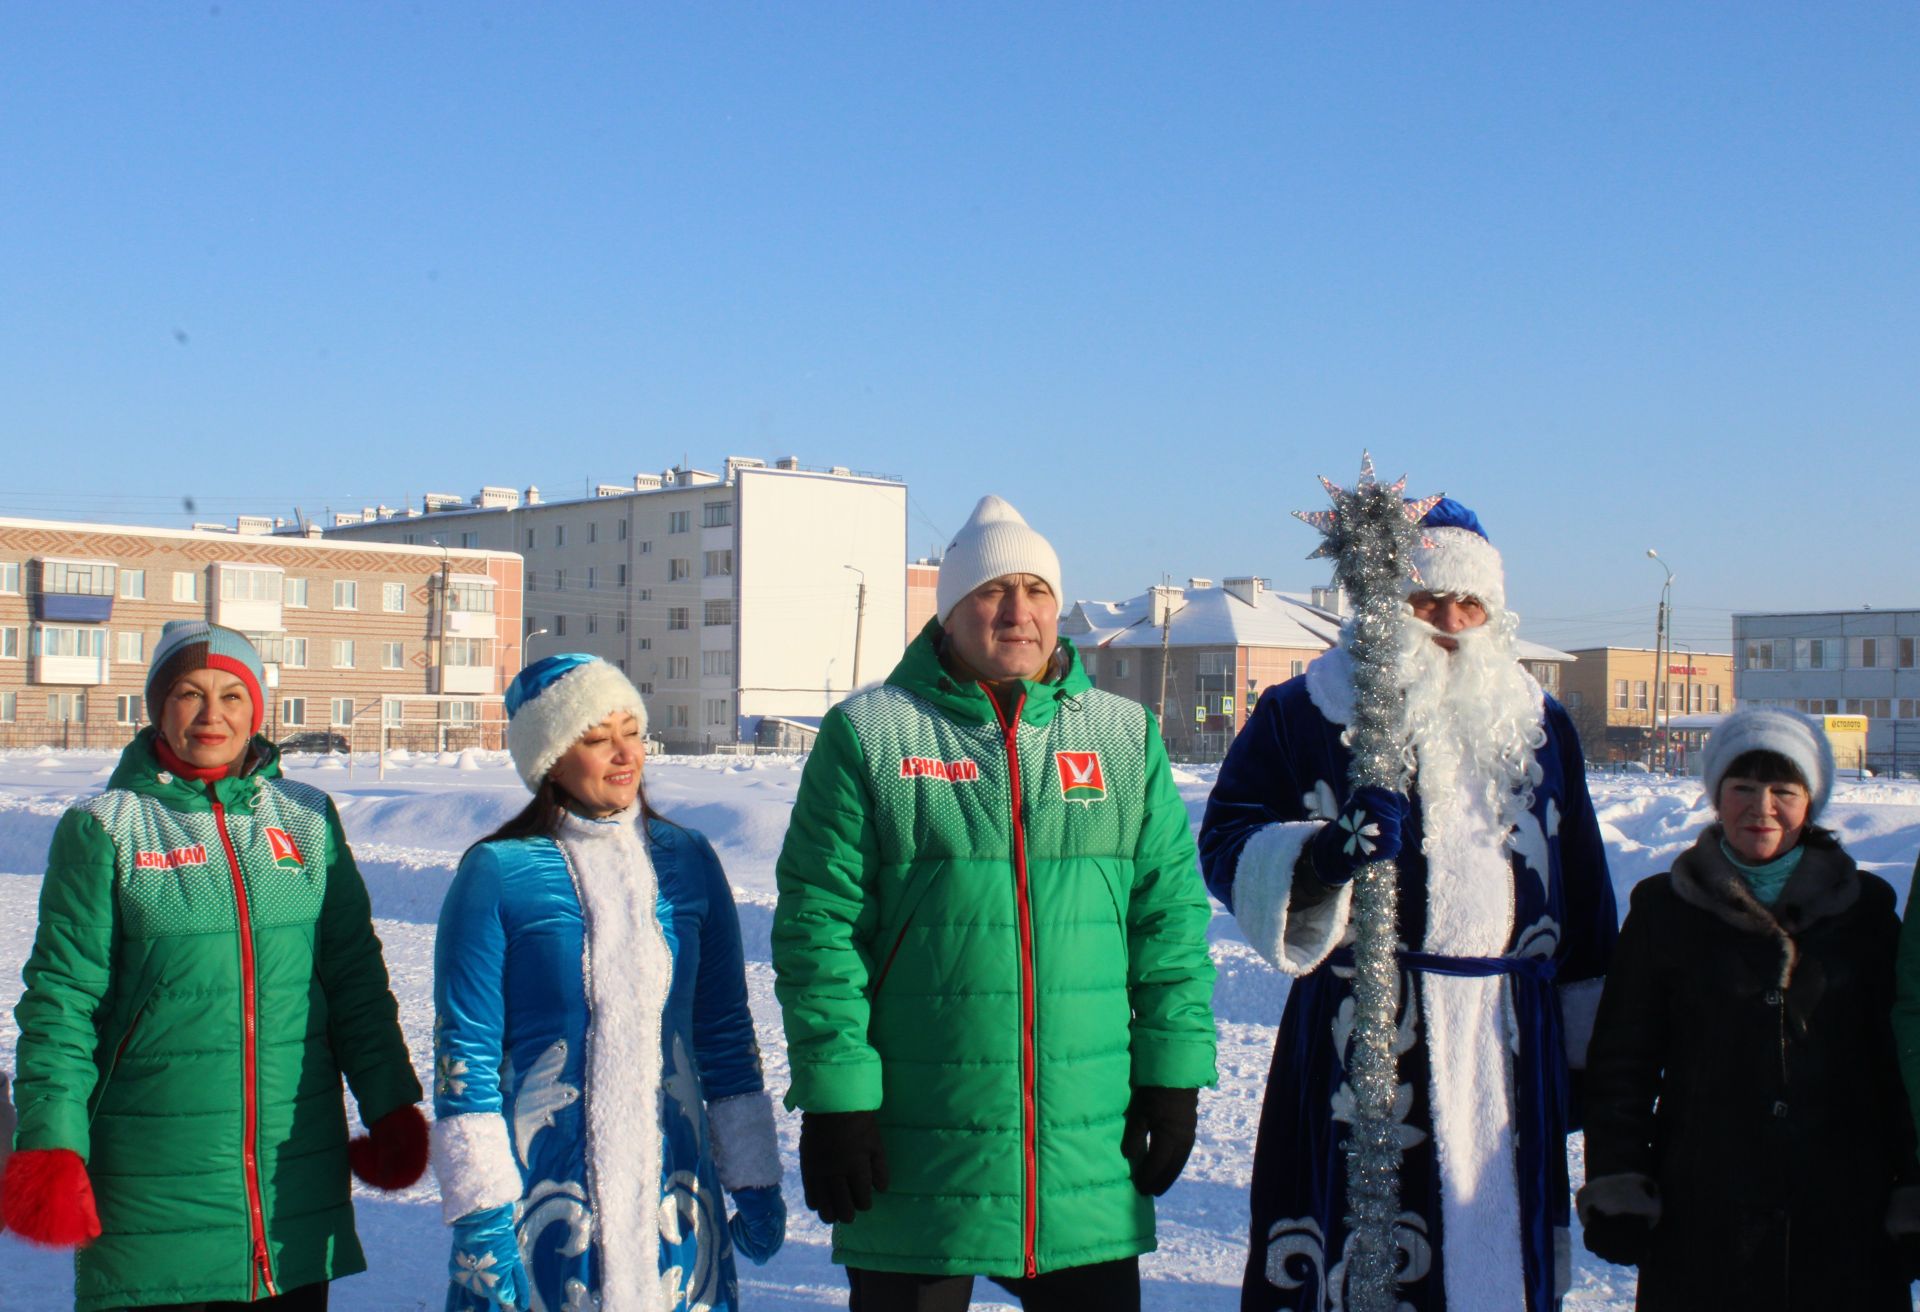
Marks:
<point>307,1298</point>
<point>1100,1287</point>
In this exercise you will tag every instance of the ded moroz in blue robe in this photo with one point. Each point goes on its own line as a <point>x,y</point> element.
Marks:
<point>1503,950</point>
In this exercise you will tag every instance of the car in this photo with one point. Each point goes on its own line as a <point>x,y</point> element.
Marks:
<point>314,740</point>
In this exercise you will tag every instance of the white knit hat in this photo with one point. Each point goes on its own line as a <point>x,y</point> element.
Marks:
<point>994,542</point>
<point>555,700</point>
<point>1772,729</point>
<point>1461,562</point>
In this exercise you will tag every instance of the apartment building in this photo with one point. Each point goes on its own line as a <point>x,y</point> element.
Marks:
<point>370,642</point>
<point>1214,648</point>
<point>1854,663</point>
<point>728,596</point>
<point>1621,705</point>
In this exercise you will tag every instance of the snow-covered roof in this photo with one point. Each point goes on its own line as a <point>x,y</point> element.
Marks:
<point>1216,617</point>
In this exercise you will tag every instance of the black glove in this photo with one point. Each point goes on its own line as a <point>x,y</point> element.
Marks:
<point>1368,829</point>
<point>841,1162</point>
<point>1159,1135</point>
<point>1621,1240</point>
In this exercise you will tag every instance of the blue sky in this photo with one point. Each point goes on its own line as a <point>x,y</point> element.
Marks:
<point>1619,276</point>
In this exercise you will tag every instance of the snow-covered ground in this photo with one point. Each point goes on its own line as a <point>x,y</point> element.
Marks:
<point>409,829</point>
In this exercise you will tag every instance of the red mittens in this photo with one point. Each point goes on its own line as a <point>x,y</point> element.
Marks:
<point>47,1198</point>
<point>394,1153</point>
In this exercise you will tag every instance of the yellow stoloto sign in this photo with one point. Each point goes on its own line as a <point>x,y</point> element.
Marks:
<point>1846,724</point>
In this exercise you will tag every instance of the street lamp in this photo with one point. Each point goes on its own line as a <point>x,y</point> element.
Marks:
<point>859,620</point>
<point>1661,635</point>
<point>526,647</point>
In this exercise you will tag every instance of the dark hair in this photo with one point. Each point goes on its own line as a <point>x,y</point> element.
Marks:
<point>1765,767</point>
<point>540,818</point>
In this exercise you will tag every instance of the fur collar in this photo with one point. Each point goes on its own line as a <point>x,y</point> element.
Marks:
<point>1826,883</point>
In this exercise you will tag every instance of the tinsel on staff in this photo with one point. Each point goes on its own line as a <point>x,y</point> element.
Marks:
<point>1371,533</point>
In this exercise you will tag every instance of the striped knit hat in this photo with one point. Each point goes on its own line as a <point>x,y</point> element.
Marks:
<point>555,700</point>
<point>189,645</point>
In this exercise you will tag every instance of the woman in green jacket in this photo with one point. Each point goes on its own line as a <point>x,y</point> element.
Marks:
<point>203,973</point>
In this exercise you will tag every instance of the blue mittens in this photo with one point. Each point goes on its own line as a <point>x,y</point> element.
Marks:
<point>486,1259</point>
<point>759,1222</point>
<point>1368,829</point>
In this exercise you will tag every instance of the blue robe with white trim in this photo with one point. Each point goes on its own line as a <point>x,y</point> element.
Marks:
<point>1286,773</point>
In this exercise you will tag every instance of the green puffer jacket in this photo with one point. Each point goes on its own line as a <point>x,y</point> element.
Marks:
<point>992,947</point>
<point>184,1030</point>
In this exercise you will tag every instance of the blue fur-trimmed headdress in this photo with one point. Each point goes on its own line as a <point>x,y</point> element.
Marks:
<point>555,700</point>
<point>1461,561</point>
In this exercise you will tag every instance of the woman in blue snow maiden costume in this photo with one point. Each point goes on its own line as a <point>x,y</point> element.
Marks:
<point>596,1083</point>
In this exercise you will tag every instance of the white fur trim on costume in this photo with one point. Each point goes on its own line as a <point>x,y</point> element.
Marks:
<point>1771,729</point>
<point>629,969</point>
<point>1460,563</point>
<point>1330,683</point>
<point>746,1151</point>
<point>1579,1006</point>
<point>540,732</point>
<point>474,1163</point>
<point>1294,939</point>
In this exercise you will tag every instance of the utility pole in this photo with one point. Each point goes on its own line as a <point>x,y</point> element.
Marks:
<point>859,620</point>
<point>1660,638</point>
<point>1166,644</point>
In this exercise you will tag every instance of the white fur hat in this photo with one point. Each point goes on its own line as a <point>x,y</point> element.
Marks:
<point>1461,562</point>
<point>555,700</point>
<point>994,542</point>
<point>1772,729</point>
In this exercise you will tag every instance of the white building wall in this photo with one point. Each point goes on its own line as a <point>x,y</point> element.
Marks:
<point>798,532</point>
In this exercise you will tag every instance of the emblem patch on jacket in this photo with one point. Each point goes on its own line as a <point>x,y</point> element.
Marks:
<point>286,854</point>
<point>954,772</point>
<point>1080,777</point>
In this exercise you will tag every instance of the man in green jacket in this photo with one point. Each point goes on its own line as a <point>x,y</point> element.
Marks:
<point>991,952</point>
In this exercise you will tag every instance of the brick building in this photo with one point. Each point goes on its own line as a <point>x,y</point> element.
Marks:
<point>356,638</point>
<point>1618,704</point>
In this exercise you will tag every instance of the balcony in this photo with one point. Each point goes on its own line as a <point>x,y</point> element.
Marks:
<point>72,608</point>
<point>75,591</point>
<point>469,679</point>
<point>89,671</point>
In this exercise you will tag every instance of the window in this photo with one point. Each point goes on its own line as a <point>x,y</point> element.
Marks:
<point>716,662</point>
<point>1713,697</point>
<point>10,576</point>
<point>470,540</point>
<point>718,611</point>
<point>678,667</point>
<point>342,710</point>
<point>719,563</point>
<point>622,526</point>
<point>1119,667</point>
<point>10,643</point>
<point>1639,694</point>
<point>592,576</point>
<point>130,647</point>
<point>559,626</point>
<point>460,712</point>
<point>60,640</point>
<point>293,711</point>
<point>1870,653</point>
<point>343,653</point>
<point>476,597</point>
<point>77,578</point>
<point>679,521</point>
<point>716,514</point>
<point>186,585</point>
<point>716,710</point>
<point>644,644</point>
<point>1817,653</point>
<point>9,707</point>
<point>622,663</point>
<point>294,593</point>
<point>533,581</point>
<point>529,539</point>
<point>620,575</point>
<point>1619,694</point>
<point>559,535</point>
<point>679,568</point>
<point>393,597</point>
<point>295,650</point>
<point>393,712</point>
<point>679,617</point>
<point>1297,669</point>
<point>559,580</point>
<point>620,622</point>
<point>346,594</point>
<point>1761,656</point>
<point>63,707</point>
<point>676,717</point>
<point>393,655</point>
<point>133,585</point>
<point>593,531</point>
<point>1907,651</point>
<point>646,548</point>
<point>238,583</point>
<point>1697,693</point>
<point>645,594</point>
<point>646,689</point>
<point>593,622</point>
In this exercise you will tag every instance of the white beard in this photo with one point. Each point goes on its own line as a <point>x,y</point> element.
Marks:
<point>1473,720</point>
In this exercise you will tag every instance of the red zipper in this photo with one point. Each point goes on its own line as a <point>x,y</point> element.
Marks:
<point>262,1265</point>
<point>1029,1130</point>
